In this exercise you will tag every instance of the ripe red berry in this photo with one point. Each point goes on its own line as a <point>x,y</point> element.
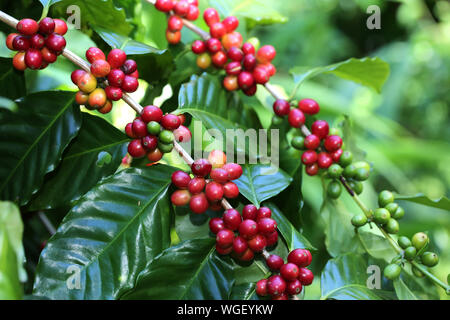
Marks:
<point>281,107</point>
<point>180,198</point>
<point>309,106</point>
<point>261,75</point>
<point>93,54</point>
<point>231,83</point>
<point>300,257</point>
<point>182,134</point>
<point>129,130</point>
<point>139,128</point>
<point>272,238</point>
<point>276,285</point>
<point>305,276</point>
<point>201,167</point>
<point>257,243</point>
<point>274,262</point>
<point>33,58</point>
<point>155,155</point>
<point>234,170</point>
<point>245,80</point>
<point>55,42</point>
<point>267,226</point>
<point>270,69</point>
<point>21,43</point>
<point>216,224</point>
<point>60,27</point>
<point>113,93</point>
<point>219,175</point>
<point>324,160</point>
<point>199,204</point>
<point>312,169</point>
<point>136,149</point>
<point>130,84</point>
<point>282,296</point>
<point>249,62</point>
<point>100,68</point>
<point>312,142</point>
<point>248,255</point>
<point>231,40</point>
<point>48,55</point>
<point>240,245</point>
<point>217,30</point>
<point>116,58</point>
<point>294,287</point>
<point>250,91</point>
<point>175,23</point>
<point>289,271</point>
<point>27,27</point>
<point>263,212</point>
<point>211,16</point>
<point>198,47</point>
<point>320,128</point>
<point>219,59</point>
<point>193,13</point>
<point>106,108</point>
<point>180,179</point>
<point>248,229</point>
<point>250,212</point>
<point>196,185</point>
<point>37,41</point>
<point>235,54</point>
<point>248,48</point>
<point>214,191</point>
<point>232,219</point>
<point>164,5</point>
<point>266,54</point>
<point>231,23</point>
<point>233,68</point>
<point>309,157</point>
<point>223,251</point>
<point>336,155</point>
<point>261,288</point>
<point>47,25</point>
<point>9,40</point>
<point>170,122</point>
<point>152,113</point>
<point>129,66</point>
<point>181,8</point>
<point>19,61</point>
<point>76,75</point>
<point>296,118</point>
<point>224,238</point>
<point>97,98</point>
<point>116,78</point>
<point>213,45</point>
<point>230,190</point>
<point>333,143</point>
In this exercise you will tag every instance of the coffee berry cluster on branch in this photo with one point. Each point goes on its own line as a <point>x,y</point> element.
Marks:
<point>38,44</point>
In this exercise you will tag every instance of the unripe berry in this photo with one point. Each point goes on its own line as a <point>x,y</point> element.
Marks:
<point>204,60</point>
<point>216,224</point>
<point>294,287</point>
<point>309,106</point>
<point>27,27</point>
<point>309,157</point>
<point>231,40</point>
<point>324,160</point>
<point>392,271</point>
<point>289,271</point>
<point>116,58</point>
<point>261,288</point>
<point>198,47</point>
<point>19,61</point>
<point>305,276</point>
<point>81,98</point>
<point>267,226</point>
<point>346,158</point>
<point>430,259</point>
<point>276,285</point>
<point>136,149</point>
<point>155,155</point>
<point>211,16</point>
<point>235,54</point>
<point>263,213</point>
<point>93,54</point>
<point>37,41</point>
<point>312,142</point>
<point>130,84</point>
<point>55,42</point>
<point>230,190</point>
<point>249,62</point>
<point>175,23</point>
<point>240,245</point>
<point>217,159</point>
<point>300,257</point>
<point>296,118</point>
<point>21,43</point>
<point>231,83</point>
<point>320,128</point>
<point>224,238</point>
<point>60,27</point>
<point>180,198</point>
<point>281,107</point>
<point>33,59</point>
<point>47,25</point>
<point>333,143</point>
<point>381,216</point>
<point>100,68</point>
<point>214,191</point>
<point>250,212</point>
<point>231,23</point>
<point>359,220</point>
<point>97,98</point>
<point>48,55</point>
<point>392,226</point>
<point>298,142</point>
<point>384,198</point>
<point>419,240</point>
<point>164,5</point>
<point>266,54</point>
<point>234,170</point>
<point>274,262</point>
<point>248,229</point>
<point>152,113</point>
<point>199,203</point>
<point>196,185</point>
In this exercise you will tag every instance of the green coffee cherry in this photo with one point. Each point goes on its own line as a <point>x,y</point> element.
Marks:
<point>334,189</point>
<point>166,137</point>
<point>399,213</point>
<point>392,207</point>
<point>153,128</point>
<point>346,158</point>
<point>392,271</point>
<point>384,198</point>
<point>361,174</point>
<point>359,220</point>
<point>362,164</point>
<point>419,240</point>
<point>349,171</point>
<point>277,121</point>
<point>335,171</point>
<point>410,253</point>
<point>165,148</point>
<point>392,226</point>
<point>430,259</point>
<point>381,216</point>
<point>404,242</point>
<point>356,186</point>
<point>298,143</point>
<point>417,272</point>
<point>255,42</point>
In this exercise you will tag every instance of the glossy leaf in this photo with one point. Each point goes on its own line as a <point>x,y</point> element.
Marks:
<point>191,270</point>
<point>108,237</point>
<point>80,168</point>
<point>441,203</point>
<point>261,182</point>
<point>245,291</point>
<point>33,140</point>
<point>402,290</point>
<point>12,81</point>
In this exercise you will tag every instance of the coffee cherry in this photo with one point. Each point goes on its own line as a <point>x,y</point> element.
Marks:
<point>282,296</point>
<point>170,122</point>
<point>299,257</point>
<point>196,185</point>
<point>173,37</point>
<point>211,16</point>
<point>312,169</point>
<point>384,198</point>
<point>193,13</point>
<point>309,106</point>
<point>419,240</point>
<point>217,159</point>
<point>55,42</point>
<point>216,225</point>
<point>417,272</point>
<point>180,198</point>
<point>359,220</point>
<point>381,216</point>
<point>399,213</point>
<point>231,83</point>
<point>129,66</point>
<point>214,191</point>
<point>276,285</point>
<point>164,5</point>
<point>217,30</point>
<point>248,48</point>
<point>392,207</point>
<point>130,84</point>
<point>230,190</point>
<point>166,136</point>
<point>240,245</point>
<point>136,149</point>
<point>48,56</point>
<point>250,212</point>
<point>324,160</point>
<point>165,147</point>
<point>296,118</point>
<point>204,60</point>
<point>9,40</point>
<point>305,276</point>
<point>263,213</point>
<point>232,219</point>
<point>346,158</point>
<point>349,171</point>
<point>116,78</point>
<point>356,186</point>
<point>272,239</point>
<point>181,8</point>
<point>97,98</point>
<point>245,80</point>
<point>27,27</point>
<point>235,54</point>
<point>201,167</point>
<point>312,142</point>
<point>392,226</point>
<point>248,255</point>
<point>199,203</point>
<point>392,271</point>
<point>249,62</point>
<point>37,41</point>
<point>333,143</point>
<point>298,142</point>
<point>261,75</point>
<point>250,91</point>
<point>267,226</point>
<point>281,107</point>
<point>155,155</point>
<point>182,134</point>
<point>100,68</point>
<point>139,128</point>
<point>175,23</point>
<point>224,238</point>
<point>106,108</point>
<point>47,26</point>
<point>334,189</point>
<point>266,54</point>
<point>116,58</point>
<point>60,27</point>
<point>309,157</point>
<point>93,54</point>
<point>320,128</point>
<point>231,40</point>
<point>335,171</point>
<point>261,288</point>
<point>219,59</point>
<point>430,259</point>
<point>410,253</point>
<point>152,113</point>
<point>274,262</point>
<point>21,43</point>
<point>294,287</point>
<point>361,174</point>
<point>404,242</point>
<point>128,130</point>
<point>81,98</point>
<point>233,68</point>
<point>219,175</point>
<point>223,251</point>
<point>198,47</point>
<point>289,271</point>
<point>113,93</point>
<point>248,229</point>
<point>257,243</point>
<point>336,155</point>
<point>231,23</point>
<point>234,171</point>
<point>33,59</point>
<point>180,179</point>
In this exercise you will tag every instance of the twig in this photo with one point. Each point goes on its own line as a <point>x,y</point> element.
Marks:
<point>47,223</point>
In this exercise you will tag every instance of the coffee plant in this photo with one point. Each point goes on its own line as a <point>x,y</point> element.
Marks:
<point>139,213</point>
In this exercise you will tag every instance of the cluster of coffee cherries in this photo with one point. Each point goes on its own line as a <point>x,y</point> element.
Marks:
<point>154,133</point>
<point>290,277</point>
<point>187,9</point>
<point>244,235</point>
<point>212,181</point>
<point>414,249</point>
<point>39,44</point>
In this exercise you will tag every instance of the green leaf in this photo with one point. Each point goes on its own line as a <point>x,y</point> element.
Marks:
<point>376,245</point>
<point>32,141</point>
<point>99,14</point>
<point>402,291</point>
<point>80,168</point>
<point>108,237</point>
<point>244,291</point>
<point>441,203</point>
<point>293,237</point>
<point>261,182</point>
<point>12,81</point>
<point>345,277</point>
<point>370,72</point>
<point>191,270</point>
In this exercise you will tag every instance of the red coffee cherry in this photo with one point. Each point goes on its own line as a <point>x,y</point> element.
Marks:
<point>173,37</point>
<point>217,30</point>
<point>261,288</point>
<point>266,54</point>
<point>180,198</point>
<point>276,285</point>
<point>152,113</point>
<point>281,107</point>
<point>282,296</point>
<point>245,80</point>
<point>136,149</point>
<point>219,59</point>
<point>199,203</point>
<point>76,75</point>
<point>81,98</point>
<point>9,40</point>
<point>19,61</point>
<point>60,27</point>
<point>193,13</point>
<point>216,224</point>
<point>155,155</point>
<point>128,129</point>
<point>198,47</point>
<point>234,170</point>
<point>231,23</point>
<point>113,93</point>
<point>296,118</point>
<point>224,238</point>
<point>261,75</point>
<point>48,55</point>
<point>164,5</point>
<point>97,98</point>
<point>294,287</point>
<point>230,190</point>
<point>180,179</point>
<point>257,243</point>
<point>289,271</point>
<point>100,68</point>
<point>170,122</point>
<point>116,58</point>
<point>219,175</point>
<point>248,229</point>
<point>214,191</point>
<point>47,25</point>
<point>333,143</point>
<point>250,91</point>
<point>247,255</point>
<point>309,157</point>
<point>232,219</point>
<point>312,142</point>
<point>312,169</point>
<point>231,40</point>
<point>309,106</point>
<point>250,212</point>
<point>233,68</point>
<point>27,27</point>
<point>55,42</point>
<point>249,62</point>
<point>299,257</point>
<point>272,239</point>
<point>21,43</point>
<point>235,54</point>
<point>274,262</point>
<point>201,167</point>
<point>270,69</point>
<point>213,45</point>
<point>324,160</point>
<point>181,8</point>
<point>182,134</point>
<point>211,16</point>
<point>240,245</point>
<point>130,84</point>
<point>129,66</point>
<point>175,23</point>
<point>196,185</point>
<point>305,276</point>
<point>93,54</point>
<point>267,226</point>
<point>248,48</point>
<point>33,59</point>
<point>263,212</point>
<point>139,128</point>
<point>336,155</point>
<point>320,128</point>
<point>116,78</point>
<point>223,251</point>
<point>37,41</point>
